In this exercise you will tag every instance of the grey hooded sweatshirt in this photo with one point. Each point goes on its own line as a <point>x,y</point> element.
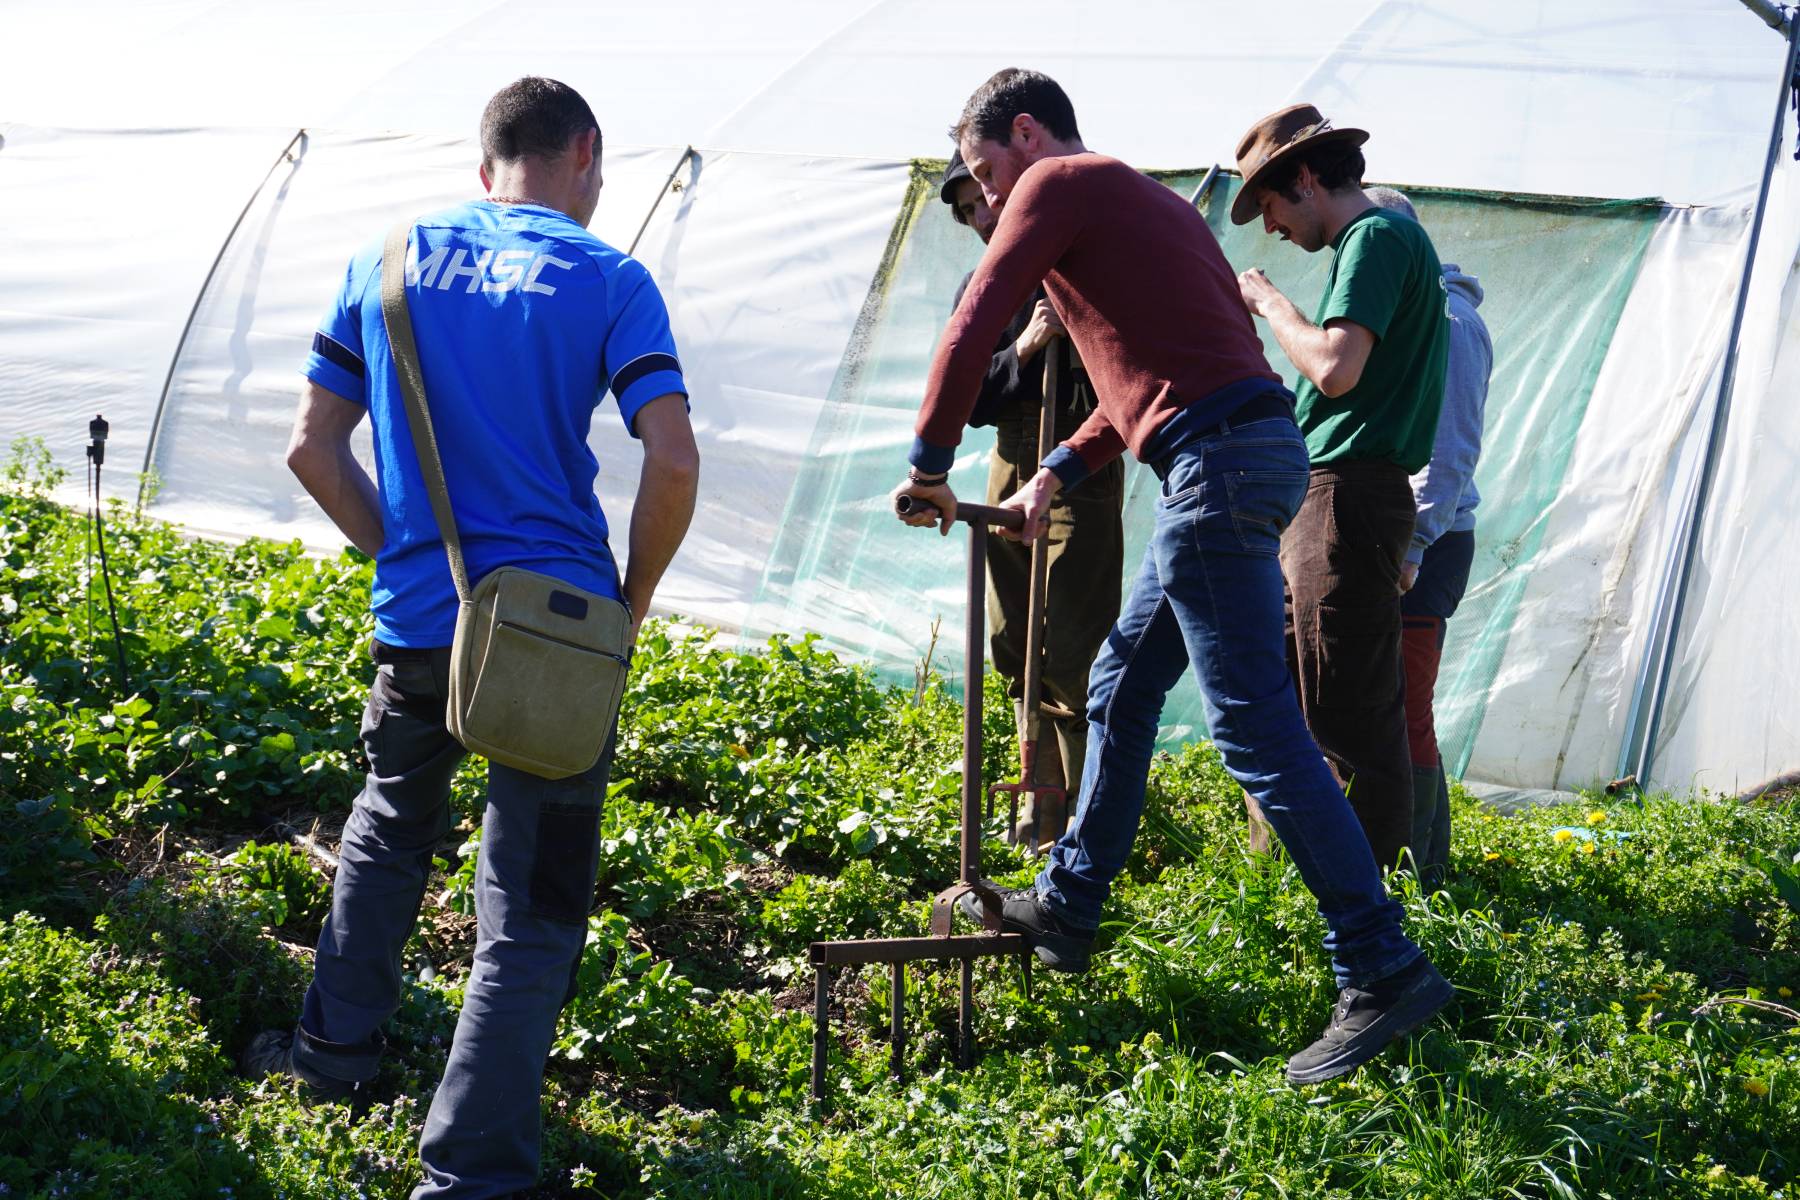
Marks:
<point>1444,491</point>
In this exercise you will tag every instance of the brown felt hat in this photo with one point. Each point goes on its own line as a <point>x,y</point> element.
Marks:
<point>1273,140</point>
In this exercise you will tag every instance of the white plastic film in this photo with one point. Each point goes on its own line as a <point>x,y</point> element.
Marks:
<point>220,449</point>
<point>1555,713</point>
<point>1732,722</point>
<point>1598,98</point>
<point>105,239</point>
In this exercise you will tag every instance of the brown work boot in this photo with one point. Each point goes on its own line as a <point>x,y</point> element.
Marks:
<point>1050,811</point>
<point>1042,815</point>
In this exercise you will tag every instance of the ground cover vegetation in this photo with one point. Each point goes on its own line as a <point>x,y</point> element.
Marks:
<point>1625,968</point>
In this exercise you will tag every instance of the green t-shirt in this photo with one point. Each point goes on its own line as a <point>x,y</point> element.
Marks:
<point>1386,277</point>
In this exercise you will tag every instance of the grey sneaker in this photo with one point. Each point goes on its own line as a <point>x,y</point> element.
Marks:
<point>271,1052</point>
<point>1367,1019</point>
<point>1059,945</point>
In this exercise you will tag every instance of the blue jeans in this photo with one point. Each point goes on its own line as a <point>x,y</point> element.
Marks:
<point>1209,593</point>
<point>534,885</point>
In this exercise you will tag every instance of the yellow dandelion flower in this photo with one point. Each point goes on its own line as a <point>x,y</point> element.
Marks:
<point>1786,993</point>
<point>1716,1171</point>
<point>1597,817</point>
<point>1563,835</point>
<point>1649,997</point>
<point>1756,1087</point>
<point>1587,847</point>
<point>1490,856</point>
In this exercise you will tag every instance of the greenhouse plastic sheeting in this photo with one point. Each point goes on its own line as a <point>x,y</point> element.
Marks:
<point>1555,714</point>
<point>762,259</point>
<point>1733,720</point>
<point>1558,275</point>
<point>1585,97</point>
<point>92,298</point>
<point>764,262</point>
<point>219,446</point>
<point>805,114</point>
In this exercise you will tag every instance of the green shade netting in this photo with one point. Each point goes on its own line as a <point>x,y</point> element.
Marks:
<point>1556,272</point>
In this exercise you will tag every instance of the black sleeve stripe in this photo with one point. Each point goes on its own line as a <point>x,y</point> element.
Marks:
<point>338,354</point>
<point>642,365</point>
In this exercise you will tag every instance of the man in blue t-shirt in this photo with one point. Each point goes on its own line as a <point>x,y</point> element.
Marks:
<point>524,321</point>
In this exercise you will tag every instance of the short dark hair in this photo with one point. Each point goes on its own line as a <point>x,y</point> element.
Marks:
<point>533,117</point>
<point>990,111</point>
<point>1337,168</point>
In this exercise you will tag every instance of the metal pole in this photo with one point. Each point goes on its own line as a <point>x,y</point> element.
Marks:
<point>1031,735</point>
<point>1770,13</point>
<point>1205,188</point>
<point>974,671</point>
<point>667,184</point>
<point>1638,755</point>
<point>973,667</point>
<point>162,401</point>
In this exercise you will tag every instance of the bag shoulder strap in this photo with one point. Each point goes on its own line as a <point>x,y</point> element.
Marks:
<point>398,319</point>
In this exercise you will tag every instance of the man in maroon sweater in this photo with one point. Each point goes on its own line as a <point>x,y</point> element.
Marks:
<point>1179,379</point>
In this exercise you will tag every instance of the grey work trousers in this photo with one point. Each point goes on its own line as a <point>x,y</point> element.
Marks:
<point>534,885</point>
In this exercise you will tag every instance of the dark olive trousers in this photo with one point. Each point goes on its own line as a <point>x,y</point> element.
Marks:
<point>1087,563</point>
<point>1341,561</point>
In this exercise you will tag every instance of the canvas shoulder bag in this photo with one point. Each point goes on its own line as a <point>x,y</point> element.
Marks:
<point>538,666</point>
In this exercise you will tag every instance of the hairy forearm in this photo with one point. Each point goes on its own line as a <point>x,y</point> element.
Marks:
<point>659,520</point>
<point>1332,357</point>
<point>333,478</point>
<point>1307,346</point>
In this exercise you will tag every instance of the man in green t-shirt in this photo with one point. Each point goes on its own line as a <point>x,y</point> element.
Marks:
<point>1371,366</point>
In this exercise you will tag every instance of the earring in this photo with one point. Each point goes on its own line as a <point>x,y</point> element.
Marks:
<point>1306,194</point>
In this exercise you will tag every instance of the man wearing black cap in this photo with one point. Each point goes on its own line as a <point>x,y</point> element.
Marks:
<point>1371,385</point>
<point>1087,539</point>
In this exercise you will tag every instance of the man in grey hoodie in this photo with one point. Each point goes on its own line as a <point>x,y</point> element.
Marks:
<point>1436,571</point>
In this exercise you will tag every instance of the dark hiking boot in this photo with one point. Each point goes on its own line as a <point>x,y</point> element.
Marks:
<point>271,1052</point>
<point>1059,945</point>
<point>1367,1019</point>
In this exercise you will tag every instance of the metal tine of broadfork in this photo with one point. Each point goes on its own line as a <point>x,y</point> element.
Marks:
<point>821,1025</point>
<point>897,1022</point>
<point>942,943</point>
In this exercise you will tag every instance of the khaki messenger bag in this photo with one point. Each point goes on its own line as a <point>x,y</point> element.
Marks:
<point>537,667</point>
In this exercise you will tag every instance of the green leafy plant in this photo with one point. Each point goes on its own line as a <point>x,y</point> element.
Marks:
<point>280,883</point>
<point>1619,1029</point>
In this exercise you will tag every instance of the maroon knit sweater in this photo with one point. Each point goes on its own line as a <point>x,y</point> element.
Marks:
<point>1141,284</point>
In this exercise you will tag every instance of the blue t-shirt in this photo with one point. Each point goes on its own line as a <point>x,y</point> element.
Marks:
<point>524,320</point>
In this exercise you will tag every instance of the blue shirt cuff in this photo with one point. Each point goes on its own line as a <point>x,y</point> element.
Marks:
<point>930,459</point>
<point>335,379</point>
<point>646,388</point>
<point>1067,466</point>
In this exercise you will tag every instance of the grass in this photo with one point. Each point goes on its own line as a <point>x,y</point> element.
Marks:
<point>1622,1027</point>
